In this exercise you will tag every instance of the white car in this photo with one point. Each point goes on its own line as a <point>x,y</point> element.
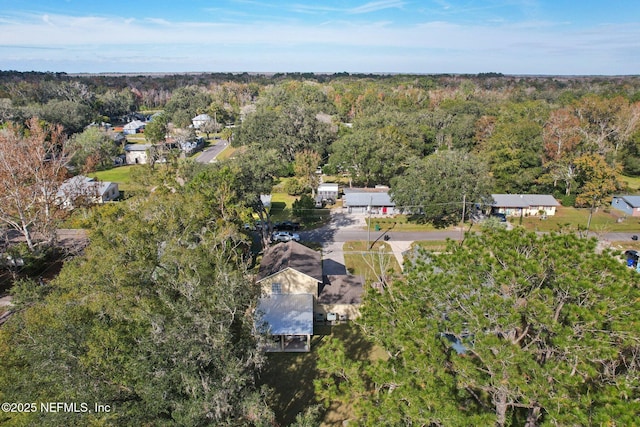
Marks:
<point>284,236</point>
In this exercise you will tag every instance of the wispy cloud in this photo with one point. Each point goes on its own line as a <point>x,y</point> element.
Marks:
<point>376,6</point>
<point>259,43</point>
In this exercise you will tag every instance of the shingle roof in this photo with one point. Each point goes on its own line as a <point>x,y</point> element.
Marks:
<point>367,197</point>
<point>523,200</point>
<point>341,289</point>
<point>291,255</point>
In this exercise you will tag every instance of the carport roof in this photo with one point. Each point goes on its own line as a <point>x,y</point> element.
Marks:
<point>287,314</point>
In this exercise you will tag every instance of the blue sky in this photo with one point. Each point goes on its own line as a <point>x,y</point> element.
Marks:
<point>567,37</point>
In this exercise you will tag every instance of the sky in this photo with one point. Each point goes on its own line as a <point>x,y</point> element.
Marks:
<point>540,37</point>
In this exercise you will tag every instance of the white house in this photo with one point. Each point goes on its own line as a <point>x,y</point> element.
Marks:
<point>199,120</point>
<point>368,200</point>
<point>84,190</point>
<point>327,191</point>
<point>137,153</point>
<point>133,127</point>
<point>524,204</point>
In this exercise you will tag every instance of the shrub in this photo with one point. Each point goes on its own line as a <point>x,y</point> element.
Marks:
<point>304,207</point>
<point>294,187</point>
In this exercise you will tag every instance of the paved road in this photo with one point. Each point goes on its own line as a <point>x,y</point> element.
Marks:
<point>210,153</point>
<point>345,227</point>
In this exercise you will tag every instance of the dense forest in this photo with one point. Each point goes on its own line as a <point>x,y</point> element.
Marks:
<point>155,316</point>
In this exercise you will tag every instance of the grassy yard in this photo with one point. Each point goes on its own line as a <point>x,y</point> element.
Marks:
<point>227,153</point>
<point>369,264</point>
<point>430,245</point>
<point>137,138</point>
<point>605,220</point>
<point>399,223</point>
<point>282,205</point>
<point>121,175</point>
<point>633,182</point>
<point>291,375</point>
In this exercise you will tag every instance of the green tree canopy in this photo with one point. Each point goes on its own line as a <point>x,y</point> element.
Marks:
<point>93,149</point>
<point>509,328</point>
<point>435,187</point>
<point>153,320</point>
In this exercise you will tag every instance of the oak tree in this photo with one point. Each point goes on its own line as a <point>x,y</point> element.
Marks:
<point>32,167</point>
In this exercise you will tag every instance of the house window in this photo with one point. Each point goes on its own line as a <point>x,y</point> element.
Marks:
<point>276,288</point>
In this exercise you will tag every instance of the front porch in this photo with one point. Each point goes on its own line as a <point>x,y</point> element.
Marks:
<point>289,343</point>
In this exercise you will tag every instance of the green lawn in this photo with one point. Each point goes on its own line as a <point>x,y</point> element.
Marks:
<point>291,375</point>
<point>227,153</point>
<point>370,263</point>
<point>399,223</point>
<point>430,245</point>
<point>604,220</point>
<point>281,210</point>
<point>137,138</point>
<point>633,182</point>
<point>121,175</point>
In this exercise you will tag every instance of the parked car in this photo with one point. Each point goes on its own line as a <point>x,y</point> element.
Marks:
<point>501,217</point>
<point>632,257</point>
<point>286,225</point>
<point>284,236</point>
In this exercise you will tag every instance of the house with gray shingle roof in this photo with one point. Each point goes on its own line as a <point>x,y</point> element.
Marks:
<point>82,190</point>
<point>365,200</point>
<point>524,204</point>
<point>294,293</point>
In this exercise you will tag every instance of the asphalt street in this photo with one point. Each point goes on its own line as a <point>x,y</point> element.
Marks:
<point>210,153</point>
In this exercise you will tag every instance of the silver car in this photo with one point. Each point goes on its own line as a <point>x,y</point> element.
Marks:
<point>284,236</point>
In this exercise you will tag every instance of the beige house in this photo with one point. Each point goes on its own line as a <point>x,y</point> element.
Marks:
<point>295,293</point>
<point>137,153</point>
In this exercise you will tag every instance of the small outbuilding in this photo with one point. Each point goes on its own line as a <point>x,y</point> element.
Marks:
<point>630,205</point>
<point>327,192</point>
<point>137,154</point>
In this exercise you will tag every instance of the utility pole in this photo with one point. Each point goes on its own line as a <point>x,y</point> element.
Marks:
<point>369,224</point>
<point>464,205</point>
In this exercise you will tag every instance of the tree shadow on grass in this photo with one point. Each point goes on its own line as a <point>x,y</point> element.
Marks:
<point>291,375</point>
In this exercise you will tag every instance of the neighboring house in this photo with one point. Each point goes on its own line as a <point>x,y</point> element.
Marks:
<point>133,127</point>
<point>266,200</point>
<point>368,200</point>
<point>81,190</point>
<point>294,292</point>
<point>190,147</point>
<point>524,204</point>
<point>327,191</point>
<point>627,204</point>
<point>137,153</point>
<point>199,120</point>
